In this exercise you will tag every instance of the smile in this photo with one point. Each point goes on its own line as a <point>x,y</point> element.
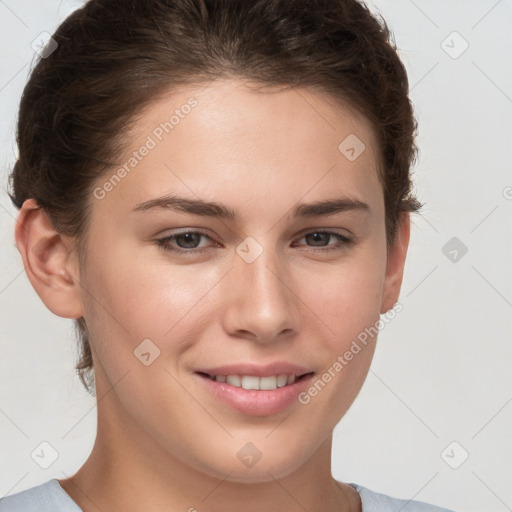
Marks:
<point>254,382</point>
<point>253,394</point>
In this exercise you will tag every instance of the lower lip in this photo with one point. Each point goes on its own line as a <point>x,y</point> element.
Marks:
<point>253,401</point>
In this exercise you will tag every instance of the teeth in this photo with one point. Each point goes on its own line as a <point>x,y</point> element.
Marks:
<point>282,380</point>
<point>249,382</point>
<point>254,382</point>
<point>268,382</point>
<point>234,380</point>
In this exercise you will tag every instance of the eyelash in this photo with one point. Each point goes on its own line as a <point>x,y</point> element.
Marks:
<point>165,242</point>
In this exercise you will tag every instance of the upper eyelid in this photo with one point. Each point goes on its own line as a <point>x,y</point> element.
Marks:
<point>206,232</point>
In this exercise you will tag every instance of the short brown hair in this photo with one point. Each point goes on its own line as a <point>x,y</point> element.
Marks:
<point>114,57</point>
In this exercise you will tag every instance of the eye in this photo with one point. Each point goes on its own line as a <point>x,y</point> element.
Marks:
<point>321,238</point>
<point>187,242</point>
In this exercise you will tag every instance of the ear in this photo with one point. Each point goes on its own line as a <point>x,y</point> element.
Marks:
<point>50,263</point>
<point>395,263</point>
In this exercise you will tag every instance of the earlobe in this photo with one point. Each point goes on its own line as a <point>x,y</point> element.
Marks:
<point>395,264</point>
<point>49,263</point>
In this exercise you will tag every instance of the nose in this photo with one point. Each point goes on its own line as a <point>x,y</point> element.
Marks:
<point>262,305</point>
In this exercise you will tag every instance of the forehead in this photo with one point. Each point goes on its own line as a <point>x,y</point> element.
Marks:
<point>235,142</point>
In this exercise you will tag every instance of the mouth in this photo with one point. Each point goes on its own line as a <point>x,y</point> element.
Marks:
<point>254,382</point>
<point>255,395</point>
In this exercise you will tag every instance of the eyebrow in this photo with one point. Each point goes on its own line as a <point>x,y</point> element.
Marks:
<point>213,209</point>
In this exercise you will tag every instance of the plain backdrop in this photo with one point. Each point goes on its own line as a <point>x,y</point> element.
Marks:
<point>434,417</point>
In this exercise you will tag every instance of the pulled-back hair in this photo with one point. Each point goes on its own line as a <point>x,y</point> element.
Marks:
<point>114,57</point>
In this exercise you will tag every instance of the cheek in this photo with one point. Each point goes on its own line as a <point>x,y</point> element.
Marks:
<point>131,299</point>
<point>347,302</point>
<point>138,293</point>
<point>346,296</point>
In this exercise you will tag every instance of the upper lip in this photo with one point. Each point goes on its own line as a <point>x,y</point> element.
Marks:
<point>257,370</point>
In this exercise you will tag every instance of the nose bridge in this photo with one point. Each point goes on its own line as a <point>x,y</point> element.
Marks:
<point>262,302</point>
<point>263,278</point>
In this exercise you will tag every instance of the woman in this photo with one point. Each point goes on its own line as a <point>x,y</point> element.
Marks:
<point>218,192</point>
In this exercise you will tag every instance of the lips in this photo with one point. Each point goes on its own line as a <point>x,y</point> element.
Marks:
<point>256,389</point>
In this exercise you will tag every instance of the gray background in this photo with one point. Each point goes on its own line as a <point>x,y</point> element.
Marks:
<point>441,373</point>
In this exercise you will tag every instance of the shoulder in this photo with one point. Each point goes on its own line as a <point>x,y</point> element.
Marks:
<point>47,497</point>
<point>376,502</point>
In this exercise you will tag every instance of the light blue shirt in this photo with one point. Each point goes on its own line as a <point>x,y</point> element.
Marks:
<point>51,497</point>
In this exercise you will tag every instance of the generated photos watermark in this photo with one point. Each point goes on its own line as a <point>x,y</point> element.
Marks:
<point>151,142</point>
<point>343,360</point>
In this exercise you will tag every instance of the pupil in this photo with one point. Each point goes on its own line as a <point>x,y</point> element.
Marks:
<point>190,237</point>
<point>318,236</point>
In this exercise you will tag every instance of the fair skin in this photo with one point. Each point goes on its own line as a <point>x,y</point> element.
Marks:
<point>164,442</point>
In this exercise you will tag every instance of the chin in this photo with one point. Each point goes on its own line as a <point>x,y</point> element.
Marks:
<point>260,473</point>
<point>250,464</point>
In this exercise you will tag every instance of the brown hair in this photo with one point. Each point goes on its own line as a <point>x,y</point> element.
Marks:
<point>114,57</point>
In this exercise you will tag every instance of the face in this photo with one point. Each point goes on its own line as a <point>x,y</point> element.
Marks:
<point>257,283</point>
